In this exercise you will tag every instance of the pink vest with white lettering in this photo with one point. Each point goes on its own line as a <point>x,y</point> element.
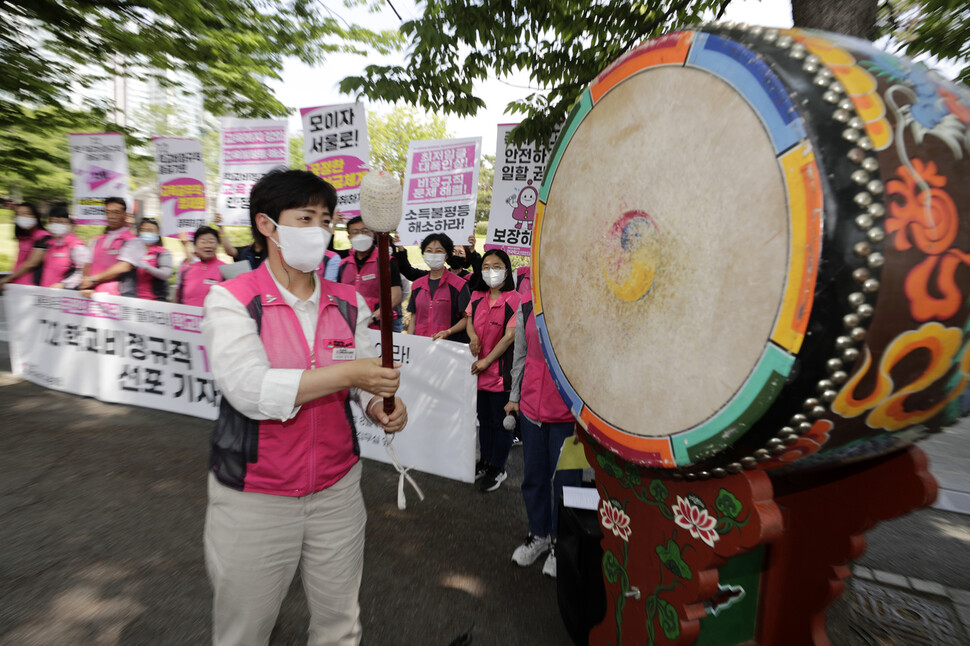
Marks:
<point>106,256</point>
<point>490,321</point>
<point>196,280</point>
<point>318,446</point>
<point>524,277</point>
<point>366,280</point>
<point>146,285</point>
<point>435,313</point>
<point>58,263</point>
<point>539,400</point>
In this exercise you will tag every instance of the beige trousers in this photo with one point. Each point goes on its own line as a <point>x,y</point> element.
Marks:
<point>253,544</point>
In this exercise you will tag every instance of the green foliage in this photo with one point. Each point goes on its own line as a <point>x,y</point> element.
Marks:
<point>486,177</point>
<point>390,133</point>
<point>297,153</point>
<point>937,27</point>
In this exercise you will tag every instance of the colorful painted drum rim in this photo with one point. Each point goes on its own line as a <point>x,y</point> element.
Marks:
<point>743,69</point>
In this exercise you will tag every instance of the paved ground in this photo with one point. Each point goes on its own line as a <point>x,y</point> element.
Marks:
<point>101,510</point>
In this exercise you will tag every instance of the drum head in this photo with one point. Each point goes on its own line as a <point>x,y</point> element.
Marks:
<point>664,262</point>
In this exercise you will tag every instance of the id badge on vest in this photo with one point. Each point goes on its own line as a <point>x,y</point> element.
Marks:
<point>342,350</point>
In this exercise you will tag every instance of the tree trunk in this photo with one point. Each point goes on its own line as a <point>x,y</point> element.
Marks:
<point>851,17</point>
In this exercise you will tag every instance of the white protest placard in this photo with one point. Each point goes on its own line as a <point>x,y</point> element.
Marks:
<point>181,184</point>
<point>440,392</point>
<point>150,353</point>
<point>249,149</point>
<point>116,349</point>
<point>336,148</point>
<point>440,189</point>
<point>99,165</point>
<point>515,193</point>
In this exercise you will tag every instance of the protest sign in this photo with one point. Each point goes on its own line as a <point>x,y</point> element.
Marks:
<point>336,148</point>
<point>515,193</point>
<point>150,353</point>
<point>181,184</point>
<point>99,164</point>
<point>249,149</point>
<point>440,189</point>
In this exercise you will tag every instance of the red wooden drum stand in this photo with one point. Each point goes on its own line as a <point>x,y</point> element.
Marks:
<point>751,558</point>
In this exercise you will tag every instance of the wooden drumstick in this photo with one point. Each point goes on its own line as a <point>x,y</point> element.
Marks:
<point>380,209</point>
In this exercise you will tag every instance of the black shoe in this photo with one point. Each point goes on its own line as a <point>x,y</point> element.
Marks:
<point>480,469</point>
<point>492,480</point>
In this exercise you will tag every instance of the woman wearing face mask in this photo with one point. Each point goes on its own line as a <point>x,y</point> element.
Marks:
<point>196,278</point>
<point>152,273</point>
<point>439,298</point>
<point>460,258</point>
<point>359,269</point>
<point>32,240</point>
<point>491,330</point>
<point>66,253</point>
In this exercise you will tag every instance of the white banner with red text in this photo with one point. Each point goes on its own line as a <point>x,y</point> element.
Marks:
<point>149,353</point>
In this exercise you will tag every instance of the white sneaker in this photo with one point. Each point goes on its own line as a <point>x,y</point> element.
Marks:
<point>528,552</point>
<point>549,567</point>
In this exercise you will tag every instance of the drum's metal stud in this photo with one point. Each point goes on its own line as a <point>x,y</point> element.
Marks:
<point>829,396</point>
<point>796,53</point>
<point>791,439</point>
<point>856,155</point>
<point>690,477</point>
<point>830,96</point>
<point>826,72</point>
<point>862,199</point>
<point>770,35</point>
<point>749,462</point>
<point>876,260</point>
<point>823,385</point>
<point>742,26</point>
<point>810,403</point>
<point>734,467</point>
<point>718,472</point>
<point>876,210</point>
<point>804,427</point>
<point>859,176</point>
<point>817,412</point>
<point>811,68</point>
<point>833,365</point>
<point>876,234</point>
<point>851,134</point>
<point>875,187</point>
<point>863,221</point>
<point>857,123</point>
<point>785,41</point>
<point>785,431</point>
<point>839,376</point>
<point>778,450</point>
<point>860,275</point>
<point>840,115</point>
<point>677,476</point>
<point>866,310</point>
<point>704,475</point>
<point>865,143</point>
<point>870,164</point>
<point>843,342</point>
<point>820,80</point>
<point>756,30</point>
<point>856,299</point>
<point>798,418</point>
<point>812,58</point>
<point>762,455</point>
<point>846,104</point>
<point>836,87</point>
<point>850,355</point>
<point>862,249</point>
<point>870,286</point>
<point>858,334</point>
<point>850,320</point>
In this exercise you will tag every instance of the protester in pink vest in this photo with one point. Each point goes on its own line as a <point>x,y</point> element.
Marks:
<point>66,253</point>
<point>288,352</point>
<point>359,269</point>
<point>198,276</point>
<point>491,330</point>
<point>114,254</point>
<point>546,423</point>
<point>155,267</point>
<point>523,282</point>
<point>439,297</point>
<point>32,240</point>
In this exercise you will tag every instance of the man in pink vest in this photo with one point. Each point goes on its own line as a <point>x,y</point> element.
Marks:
<point>289,351</point>
<point>66,253</point>
<point>359,269</point>
<point>114,254</point>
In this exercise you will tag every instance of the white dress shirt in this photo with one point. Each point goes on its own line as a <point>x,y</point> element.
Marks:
<point>239,362</point>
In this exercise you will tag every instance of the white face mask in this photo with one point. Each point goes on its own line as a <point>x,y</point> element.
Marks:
<point>302,247</point>
<point>434,260</point>
<point>59,229</point>
<point>361,242</point>
<point>25,221</point>
<point>493,277</point>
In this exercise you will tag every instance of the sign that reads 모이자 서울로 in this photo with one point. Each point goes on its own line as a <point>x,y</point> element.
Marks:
<point>336,148</point>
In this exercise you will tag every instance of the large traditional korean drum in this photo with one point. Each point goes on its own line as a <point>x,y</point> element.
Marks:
<point>753,251</point>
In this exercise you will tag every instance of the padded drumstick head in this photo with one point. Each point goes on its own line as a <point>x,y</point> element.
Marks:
<point>380,201</point>
<point>509,422</point>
